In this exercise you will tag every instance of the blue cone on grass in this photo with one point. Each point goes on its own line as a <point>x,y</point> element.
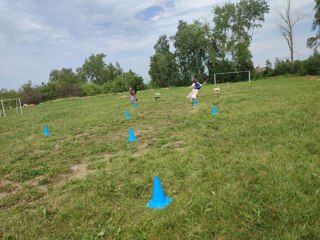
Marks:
<point>131,137</point>
<point>127,115</point>
<point>214,110</point>
<point>46,131</point>
<point>135,105</point>
<point>159,200</point>
<point>195,103</point>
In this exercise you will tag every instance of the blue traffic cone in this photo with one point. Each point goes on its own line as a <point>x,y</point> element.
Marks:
<point>131,137</point>
<point>135,105</point>
<point>159,200</point>
<point>195,103</point>
<point>46,131</point>
<point>214,110</point>
<point>127,115</point>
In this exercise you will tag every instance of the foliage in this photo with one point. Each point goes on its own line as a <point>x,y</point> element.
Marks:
<point>191,43</point>
<point>163,68</point>
<point>65,83</point>
<point>310,66</point>
<point>93,69</point>
<point>232,33</point>
<point>314,42</point>
<point>91,89</point>
<point>30,94</point>
<point>8,94</point>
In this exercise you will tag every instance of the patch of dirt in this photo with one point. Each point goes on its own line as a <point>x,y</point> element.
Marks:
<point>107,156</point>
<point>13,188</point>
<point>79,171</point>
<point>178,146</point>
<point>194,110</point>
<point>123,97</point>
<point>310,77</point>
<point>35,183</point>
<point>81,135</point>
<point>143,146</point>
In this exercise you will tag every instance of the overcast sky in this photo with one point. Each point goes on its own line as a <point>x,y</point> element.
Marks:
<point>38,36</point>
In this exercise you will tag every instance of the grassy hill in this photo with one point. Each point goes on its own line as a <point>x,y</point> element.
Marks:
<point>250,172</point>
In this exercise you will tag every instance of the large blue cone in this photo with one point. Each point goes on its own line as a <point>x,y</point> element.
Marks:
<point>159,200</point>
<point>195,103</point>
<point>131,137</point>
<point>127,115</point>
<point>46,131</point>
<point>214,110</point>
<point>135,105</point>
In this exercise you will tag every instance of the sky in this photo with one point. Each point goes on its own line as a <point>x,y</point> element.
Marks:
<point>38,36</point>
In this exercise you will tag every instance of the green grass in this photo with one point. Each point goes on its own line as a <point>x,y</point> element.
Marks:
<point>250,172</point>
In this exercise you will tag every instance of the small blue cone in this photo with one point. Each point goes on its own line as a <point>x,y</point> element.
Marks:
<point>195,103</point>
<point>46,131</point>
<point>159,200</point>
<point>135,105</point>
<point>214,110</point>
<point>131,137</point>
<point>127,115</point>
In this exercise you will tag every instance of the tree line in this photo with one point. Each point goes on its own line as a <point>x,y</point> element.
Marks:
<point>92,78</point>
<point>200,50</point>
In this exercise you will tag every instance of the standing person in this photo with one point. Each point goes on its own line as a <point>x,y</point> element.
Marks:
<point>195,89</point>
<point>133,93</point>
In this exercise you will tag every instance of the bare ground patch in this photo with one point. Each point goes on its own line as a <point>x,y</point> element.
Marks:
<point>310,77</point>
<point>79,171</point>
<point>177,145</point>
<point>9,188</point>
<point>123,97</point>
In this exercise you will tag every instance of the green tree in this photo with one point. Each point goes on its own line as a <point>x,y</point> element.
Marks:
<point>314,42</point>
<point>63,83</point>
<point>163,68</point>
<point>248,16</point>
<point>112,72</point>
<point>223,20</point>
<point>233,31</point>
<point>93,69</point>
<point>123,82</point>
<point>268,68</point>
<point>8,94</point>
<point>30,94</point>
<point>191,50</point>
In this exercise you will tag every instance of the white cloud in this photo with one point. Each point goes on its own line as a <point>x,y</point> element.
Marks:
<point>39,36</point>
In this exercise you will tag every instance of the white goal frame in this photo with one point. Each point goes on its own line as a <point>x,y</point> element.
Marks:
<point>224,73</point>
<point>18,106</point>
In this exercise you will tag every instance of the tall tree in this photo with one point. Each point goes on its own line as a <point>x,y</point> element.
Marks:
<point>30,94</point>
<point>93,69</point>
<point>314,42</point>
<point>191,44</point>
<point>233,31</point>
<point>223,17</point>
<point>163,68</point>
<point>286,26</point>
<point>62,83</point>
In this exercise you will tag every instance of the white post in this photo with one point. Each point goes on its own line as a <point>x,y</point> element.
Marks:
<point>214,77</point>
<point>4,113</point>
<point>249,76</point>
<point>20,106</point>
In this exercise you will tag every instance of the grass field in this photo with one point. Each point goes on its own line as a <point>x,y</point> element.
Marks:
<point>250,172</point>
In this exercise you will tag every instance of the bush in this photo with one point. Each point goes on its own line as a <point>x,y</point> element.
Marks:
<point>29,94</point>
<point>90,89</point>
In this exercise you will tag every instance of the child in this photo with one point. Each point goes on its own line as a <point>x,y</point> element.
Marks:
<point>133,93</point>
<point>196,86</point>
